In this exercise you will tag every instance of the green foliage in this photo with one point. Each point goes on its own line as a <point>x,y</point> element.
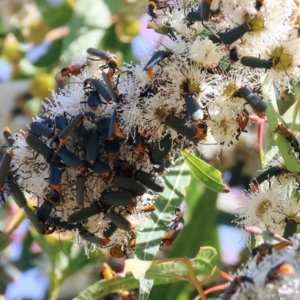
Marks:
<point>4,240</point>
<point>160,271</point>
<point>149,238</point>
<point>114,5</point>
<point>202,218</point>
<point>51,57</point>
<point>207,174</point>
<point>201,215</point>
<point>55,15</point>
<point>66,259</point>
<point>292,115</point>
<point>87,27</point>
<point>273,120</point>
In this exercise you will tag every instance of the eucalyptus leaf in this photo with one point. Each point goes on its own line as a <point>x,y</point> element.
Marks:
<point>52,55</point>
<point>55,15</point>
<point>138,268</point>
<point>203,264</point>
<point>270,155</point>
<point>145,288</point>
<point>15,222</point>
<point>77,262</point>
<point>115,5</point>
<point>48,243</point>
<point>161,272</point>
<point>166,30</point>
<point>4,240</point>
<point>150,236</point>
<point>168,291</point>
<point>292,115</point>
<point>88,24</point>
<point>273,120</point>
<point>207,174</point>
<point>194,192</point>
<point>201,226</point>
<point>205,261</point>
<point>107,286</point>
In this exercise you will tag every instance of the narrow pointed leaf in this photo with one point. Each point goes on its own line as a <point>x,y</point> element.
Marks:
<point>161,272</point>
<point>55,15</point>
<point>273,120</point>
<point>145,288</point>
<point>292,115</point>
<point>270,156</point>
<point>207,174</point>
<point>88,26</point>
<point>105,287</point>
<point>4,240</point>
<point>172,269</point>
<point>48,243</point>
<point>166,30</point>
<point>203,264</point>
<point>201,213</point>
<point>149,237</point>
<point>138,268</point>
<point>78,260</point>
<point>205,261</point>
<point>15,222</point>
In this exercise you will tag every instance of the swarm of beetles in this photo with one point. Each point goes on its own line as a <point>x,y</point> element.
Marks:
<point>93,158</point>
<point>271,273</point>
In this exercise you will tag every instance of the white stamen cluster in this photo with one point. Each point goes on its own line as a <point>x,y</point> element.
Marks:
<point>270,204</point>
<point>272,272</point>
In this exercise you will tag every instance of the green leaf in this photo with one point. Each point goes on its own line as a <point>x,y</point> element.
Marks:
<point>65,257</point>
<point>168,292</point>
<point>55,15</point>
<point>161,271</point>
<point>273,120</point>
<point>171,269</point>
<point>88,24</point>
<point>78,260</point>
<point>15,221</point>
<point>52,55</point>
<point>205,261</point>
<point>270,155</point>
<point>203,264</point>
<point>207,174</point>
<point>48,243</point>
<point>201,228</point>
<point>114,5</point>
<point>166,30</point>
<point>145,288</point>
<point>292,115</point>
<point>111,42</point>
<point>149,237</point>
<point>137,267</point>
<point>194,193</point>
<point>4,240</point>
<point>108,286</point>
